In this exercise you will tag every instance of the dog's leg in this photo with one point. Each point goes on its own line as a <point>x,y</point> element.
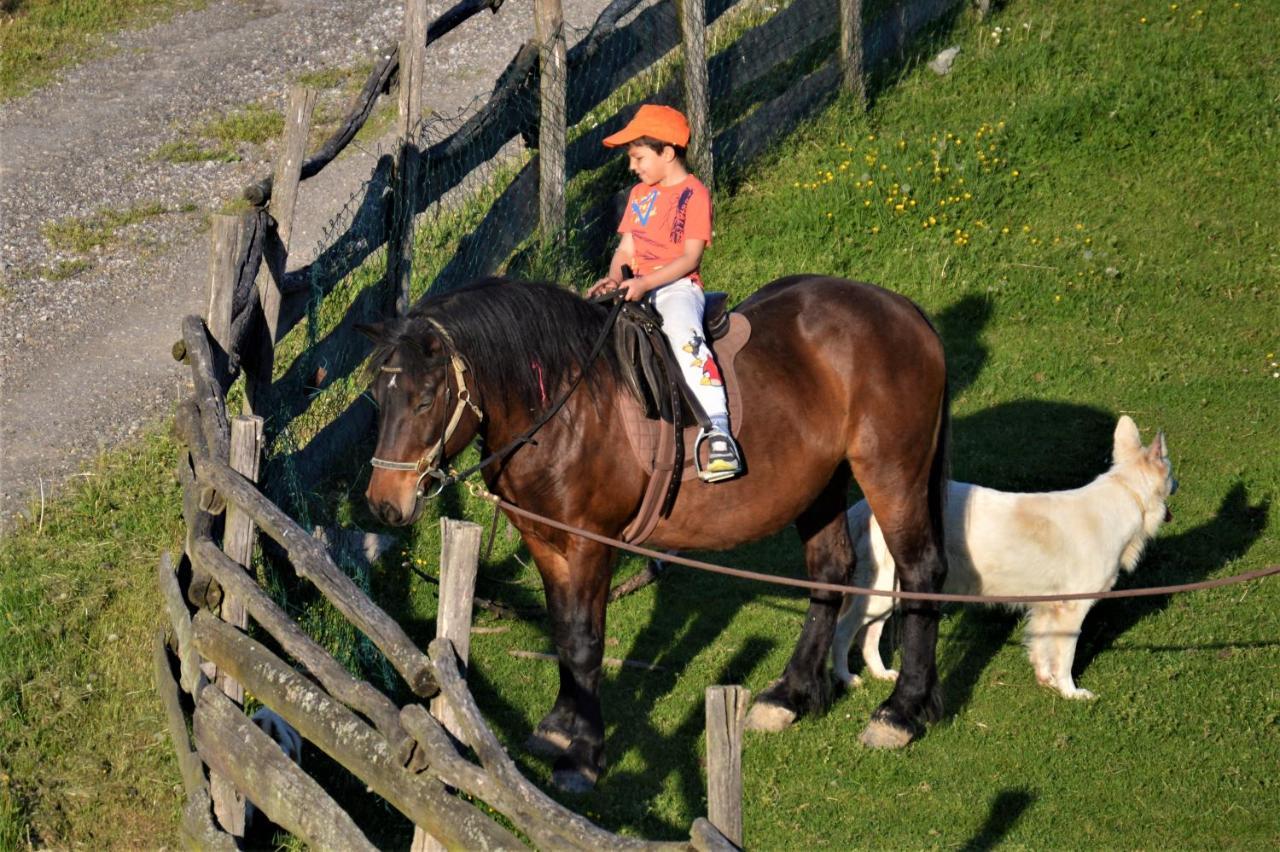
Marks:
<point>846,627</point>
<point>1068,618</point>
<point>871,648</point>
<point>1039,641</point>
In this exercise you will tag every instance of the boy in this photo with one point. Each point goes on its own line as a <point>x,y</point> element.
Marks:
<point>665,228</point>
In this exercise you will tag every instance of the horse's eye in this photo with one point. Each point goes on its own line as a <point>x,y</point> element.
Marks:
<point>427,399</point>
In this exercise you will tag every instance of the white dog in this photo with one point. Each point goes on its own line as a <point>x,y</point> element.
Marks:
<point>1000,543</point>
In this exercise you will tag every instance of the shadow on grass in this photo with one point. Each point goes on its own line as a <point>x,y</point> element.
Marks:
<point>1186,557</point>
<point>1007,808</point>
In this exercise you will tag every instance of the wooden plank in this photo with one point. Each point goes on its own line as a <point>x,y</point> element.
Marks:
<point>697,95</point>
<point>851,73</point>
<point>413,49</point>
<point>188,764</point>
<point>288,174</point>
<point>549,28</point>
<point>311,561</point>
<point>236,748</point>
<point>229,242</point>
<point>726,712</point>
<point>359,695</point>
<point>342,735</point>
<point>180,621</point>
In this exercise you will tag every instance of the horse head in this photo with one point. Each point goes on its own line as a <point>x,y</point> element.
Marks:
<point>426,414</point>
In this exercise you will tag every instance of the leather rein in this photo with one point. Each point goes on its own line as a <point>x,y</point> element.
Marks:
<point>429,464</point>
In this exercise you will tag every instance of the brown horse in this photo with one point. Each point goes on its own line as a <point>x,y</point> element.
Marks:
<point>837,378</point>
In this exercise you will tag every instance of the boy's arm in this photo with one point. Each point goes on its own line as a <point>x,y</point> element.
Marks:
<point>673,271</point>
<point>622,255</point>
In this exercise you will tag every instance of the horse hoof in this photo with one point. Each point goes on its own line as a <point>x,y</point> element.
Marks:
<point>766,716</point>
<point>574,780</point>
<point>547,742</point>
<point>880,734</point>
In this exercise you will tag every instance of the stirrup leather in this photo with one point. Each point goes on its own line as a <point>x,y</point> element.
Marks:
<point>723,460</point>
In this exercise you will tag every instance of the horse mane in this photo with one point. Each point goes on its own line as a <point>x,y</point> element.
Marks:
<point>523,339</point>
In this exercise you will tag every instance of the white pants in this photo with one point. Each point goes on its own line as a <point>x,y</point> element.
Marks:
<point>681,304</point>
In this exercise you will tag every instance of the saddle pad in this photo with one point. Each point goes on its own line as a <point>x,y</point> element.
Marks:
<point>643,434</point>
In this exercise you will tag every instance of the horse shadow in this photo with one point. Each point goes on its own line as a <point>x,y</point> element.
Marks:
<point>1186,557</point>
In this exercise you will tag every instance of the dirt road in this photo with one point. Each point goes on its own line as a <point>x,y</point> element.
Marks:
<point>85,336</point>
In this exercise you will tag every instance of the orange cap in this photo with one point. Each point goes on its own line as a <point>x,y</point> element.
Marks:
<point>657,122</point>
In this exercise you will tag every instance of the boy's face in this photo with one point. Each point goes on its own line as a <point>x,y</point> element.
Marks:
<point>649,165</point>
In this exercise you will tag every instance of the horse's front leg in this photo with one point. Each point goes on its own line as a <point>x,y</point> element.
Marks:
<point>828,555</point>
<point>576,582</point>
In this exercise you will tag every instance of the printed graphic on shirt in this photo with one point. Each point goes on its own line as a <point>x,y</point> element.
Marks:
<point>644,207</point>
<point>682,213</point>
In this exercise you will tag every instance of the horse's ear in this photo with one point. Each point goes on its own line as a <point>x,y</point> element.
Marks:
<point>375,331</point>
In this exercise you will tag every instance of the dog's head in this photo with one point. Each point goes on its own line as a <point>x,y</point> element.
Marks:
<point>1147,471</point>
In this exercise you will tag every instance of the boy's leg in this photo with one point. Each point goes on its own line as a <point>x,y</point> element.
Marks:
<point>681,306</point>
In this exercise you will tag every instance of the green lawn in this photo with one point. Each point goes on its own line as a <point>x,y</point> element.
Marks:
<point>1107,245</point>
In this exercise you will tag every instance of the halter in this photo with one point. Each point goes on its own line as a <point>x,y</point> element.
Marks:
<point>429,463</point>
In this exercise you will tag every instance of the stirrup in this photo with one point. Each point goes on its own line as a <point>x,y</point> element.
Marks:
<point>723,460</point>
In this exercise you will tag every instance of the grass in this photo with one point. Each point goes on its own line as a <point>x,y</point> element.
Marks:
<point>102,229</point>
<point>1132,168</point>
<point>40,37</point>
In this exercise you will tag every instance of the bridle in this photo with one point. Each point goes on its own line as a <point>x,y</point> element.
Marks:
<point>429,464</point>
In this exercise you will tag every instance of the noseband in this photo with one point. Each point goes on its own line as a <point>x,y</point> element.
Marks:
<point>429,464</point>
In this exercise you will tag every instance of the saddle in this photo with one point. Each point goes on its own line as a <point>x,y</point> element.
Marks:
<point>659,413</point>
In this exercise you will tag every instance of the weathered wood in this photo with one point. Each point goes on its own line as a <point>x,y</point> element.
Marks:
<point>705,837</point>
<point>359,695</point>
<point>188,764</point>
<point>312,562</point>
<point>653,569</point>
<point>549,824</point>
<point>210,401</point>
<point>237,543</point>
<point>549,28</point>
<point>697,94</point>
<point>726,712</point>
<point>202,590</point>
<point>198,830</point>
<point>180,621</point>
<point>341,734</point>
<point>229,243</point>
<point>851,75</point>
<point>233,746</point>
<point>413,69</point>
<point>459,562</point>
<point>288,173</point>
<point>379,81</point>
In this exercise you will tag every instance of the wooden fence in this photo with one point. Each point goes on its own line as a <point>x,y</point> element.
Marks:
<point>409,755</point>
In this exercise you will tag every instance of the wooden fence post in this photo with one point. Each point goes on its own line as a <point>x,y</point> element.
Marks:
<point>229,240</point>
<point>726,711</point>
<point>697,96</point>
<point>549,31</point>
<point>284,196</point>
<point>237,543</point>
<point>459,563</point>
<point>404,179</point>
<point>852,77</point>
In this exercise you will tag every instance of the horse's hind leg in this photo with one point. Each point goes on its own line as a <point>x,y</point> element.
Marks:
<point>577,586</point>
<point>914,539</point>
<point>828,556</point>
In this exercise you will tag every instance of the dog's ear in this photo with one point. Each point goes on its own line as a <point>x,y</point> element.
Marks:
<point>1159,449</point>
<point>1128,443</point>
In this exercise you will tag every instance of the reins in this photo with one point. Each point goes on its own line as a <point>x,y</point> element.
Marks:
<point>897,594</point>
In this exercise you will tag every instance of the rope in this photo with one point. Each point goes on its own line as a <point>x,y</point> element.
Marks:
<point>812,585</point>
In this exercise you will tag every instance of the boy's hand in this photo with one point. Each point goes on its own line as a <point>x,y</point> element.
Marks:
<point>635,288</point>
<point>604,285</point>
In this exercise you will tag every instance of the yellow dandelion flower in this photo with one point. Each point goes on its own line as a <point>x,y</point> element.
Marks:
<point>1143,19</point>
<point>933,220</point>
<point>1088,241</point>
<point>1173,7</point>
<point>871,137</point>
<point>1005,229</point>
<point>867,203</point>
<point>1079,227</point>
<point>1016,172</point>
<point>1026,229</point>
<point>1057,297</point>
<point>875,229</point>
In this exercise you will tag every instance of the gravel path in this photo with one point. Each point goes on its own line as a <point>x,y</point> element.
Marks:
<point>84,358</point>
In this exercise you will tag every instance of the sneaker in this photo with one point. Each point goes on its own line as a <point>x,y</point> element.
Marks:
<point>723,461</point>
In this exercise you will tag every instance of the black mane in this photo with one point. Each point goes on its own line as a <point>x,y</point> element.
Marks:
<point>508,331</point>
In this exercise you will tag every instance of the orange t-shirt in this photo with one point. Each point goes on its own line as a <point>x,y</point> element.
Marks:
<point>660,218</point>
